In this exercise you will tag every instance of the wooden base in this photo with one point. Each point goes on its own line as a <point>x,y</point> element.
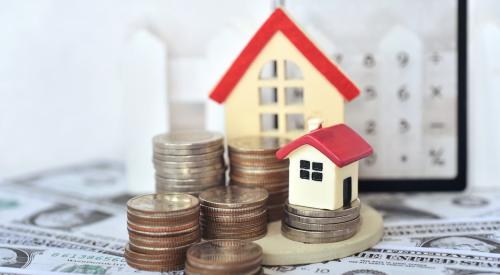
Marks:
<point>279,250</point>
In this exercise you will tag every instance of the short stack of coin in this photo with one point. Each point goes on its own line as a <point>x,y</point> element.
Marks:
<point>253,163</point>
<point>189,161</point>
<point>312,225</point>
<point>161,229</point>
<point>224,257</point>
<point>233,212</point>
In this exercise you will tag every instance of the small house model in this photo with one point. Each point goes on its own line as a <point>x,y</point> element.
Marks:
<point>324,167</point>
<point>280,80</point>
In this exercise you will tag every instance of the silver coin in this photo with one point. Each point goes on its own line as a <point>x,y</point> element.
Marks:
<point>191,158</point>
<point>187,152</point>
<point>321,227</point>
<point>256,144</point>
<point>311,235</point>
<point>314,240</point>
<point>354,207</point>
<point>313,220</point>
<point>234,197</point>
<point>187,140</point>
<point>187,171</point>
<point>258,171</point>
<point>183,189</point>
<point>187,164</point>
<point>200,181</point>
<point>208,174</point>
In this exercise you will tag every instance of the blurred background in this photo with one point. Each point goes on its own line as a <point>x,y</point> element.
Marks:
<point>85,80</point>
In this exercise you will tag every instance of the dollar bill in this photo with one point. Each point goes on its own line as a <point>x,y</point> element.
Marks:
<point>59,218</point>
<point>432,206</point>
<point>397,260</point>
<point>473,234</point>
<point>36,260</point>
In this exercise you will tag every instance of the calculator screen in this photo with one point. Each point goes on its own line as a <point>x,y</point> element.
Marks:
<point>403,57</point>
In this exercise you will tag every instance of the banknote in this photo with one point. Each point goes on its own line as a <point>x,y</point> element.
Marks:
<point>472,234</point>
<point>396,207</point>
<point>60,218</point>
<point>386,260</point>
<point>36,260</point>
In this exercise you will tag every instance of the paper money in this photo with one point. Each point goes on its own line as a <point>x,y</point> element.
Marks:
<point>424,206</point>
<point>473,234</point>
<point>394,260</point>
<point>38,260</point>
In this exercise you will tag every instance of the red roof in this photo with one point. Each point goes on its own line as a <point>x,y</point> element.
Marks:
<point>339,143</point>
<point>279,21</point>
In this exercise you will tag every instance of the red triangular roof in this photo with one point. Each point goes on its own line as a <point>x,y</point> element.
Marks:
<point>279,21</point>
<point>339,143</point>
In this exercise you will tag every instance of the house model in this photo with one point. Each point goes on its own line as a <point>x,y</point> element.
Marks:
<point>279,81</point>
<point>324,166</point>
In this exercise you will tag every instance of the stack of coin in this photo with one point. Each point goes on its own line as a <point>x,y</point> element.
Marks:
<point>312,225</point>
<point>224,257</point>
<point>161,229</point>
<point>253,163</point>
<point>233,212</point>
<point>189,161</point>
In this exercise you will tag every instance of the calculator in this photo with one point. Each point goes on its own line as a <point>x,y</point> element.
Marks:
<point>409,60</point>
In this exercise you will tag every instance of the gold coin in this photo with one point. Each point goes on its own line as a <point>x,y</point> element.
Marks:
<point>171,203</point>
<point>351,209</point>
<point>233,197</point>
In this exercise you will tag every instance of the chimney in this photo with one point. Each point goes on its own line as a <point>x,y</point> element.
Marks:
<point>314,124</point>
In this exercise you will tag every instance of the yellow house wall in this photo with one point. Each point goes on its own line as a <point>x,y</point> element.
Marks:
<point>321,99</point>
<point>311,193</point>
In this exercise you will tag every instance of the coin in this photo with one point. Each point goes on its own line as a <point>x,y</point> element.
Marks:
<point>350,224</point>
<point>200,181</point>
<point>239,218</point>
<point>154,268</point>
<point>159,252</point>
<point>162,234</point>
<point>317,221</point>
<point>209,235</point>
<point>223,253</point>
<point>210,211</point>
<point>174,241</point>
<point>186,152</point>
<point>187,164</point>
<point>188,158</point>
<point>187,139</point>
<point>192,176</point>
<point>233,197</point>
<point>154,227</point>
<point>163,203</point>
<point>162,219</point>
<point>313,236</point>
<point>187,171</point>
<point>256,144</point>
<point>352,209</point>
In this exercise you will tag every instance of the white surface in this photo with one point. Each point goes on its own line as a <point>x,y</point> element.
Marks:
<point>146,111</point>
<point>61,99</point>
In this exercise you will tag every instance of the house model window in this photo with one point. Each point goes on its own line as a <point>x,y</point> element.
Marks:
<point>311,172</point>
<point>281,85</point>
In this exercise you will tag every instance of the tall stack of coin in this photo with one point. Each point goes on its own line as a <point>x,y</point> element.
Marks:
<point>224,257</point>
<point>312,225</point>
<point>253,163</point>
<point>233,212</point>
<point>189,161</point>
<point>161,229</point>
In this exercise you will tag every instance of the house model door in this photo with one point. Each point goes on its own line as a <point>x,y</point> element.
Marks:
<point>347,191</point>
